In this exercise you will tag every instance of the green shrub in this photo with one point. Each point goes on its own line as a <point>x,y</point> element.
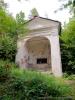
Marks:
<point>68,58</point>
<point>5,67</point>
<point>32,89</point>
<point>7,48</point>
<point>69,77</point>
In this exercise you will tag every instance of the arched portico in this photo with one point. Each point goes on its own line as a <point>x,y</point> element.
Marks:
<point>39,53</point>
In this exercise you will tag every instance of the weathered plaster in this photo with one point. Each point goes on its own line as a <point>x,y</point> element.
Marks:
<point>42,42</point>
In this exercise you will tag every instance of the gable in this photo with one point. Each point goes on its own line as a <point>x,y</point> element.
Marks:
<point>40,23</point>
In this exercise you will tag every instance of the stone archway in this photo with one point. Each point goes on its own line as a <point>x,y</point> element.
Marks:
<point>39,53</point>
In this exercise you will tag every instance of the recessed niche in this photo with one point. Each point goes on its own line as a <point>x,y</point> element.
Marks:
<point>41,60</point>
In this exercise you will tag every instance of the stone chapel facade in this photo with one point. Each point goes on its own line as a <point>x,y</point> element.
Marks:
<point>40,50</point>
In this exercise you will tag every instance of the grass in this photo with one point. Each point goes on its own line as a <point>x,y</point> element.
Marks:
<point>61,84</point>
<point>70,80</point>
<point>50,80</point>
<point>31,85</point>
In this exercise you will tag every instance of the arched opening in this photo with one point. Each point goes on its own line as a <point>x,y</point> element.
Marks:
<point>39,53</point>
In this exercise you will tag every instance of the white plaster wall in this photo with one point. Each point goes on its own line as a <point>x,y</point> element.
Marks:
<point>22,54</point>
<point>55,55</point>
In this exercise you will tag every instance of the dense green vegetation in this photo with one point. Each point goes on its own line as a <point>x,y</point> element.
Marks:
<point>28,85</point>
<point>68,47</point>
<point>7,48</point>
<point>67,39</point>
<point>10,30</point>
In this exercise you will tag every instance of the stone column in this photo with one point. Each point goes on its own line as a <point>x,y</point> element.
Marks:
<point>55,56</point>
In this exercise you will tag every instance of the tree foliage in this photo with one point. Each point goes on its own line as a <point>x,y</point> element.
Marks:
<point>20,21</point>
<point>69,32</point>
<point>69,4</point>
<point>33,13</point>
<point>3,4</point>
<point>7,23</point>
<point>7,36</point>
<point>10,29</point>
<point>68,47</point>
<point>20,18</point>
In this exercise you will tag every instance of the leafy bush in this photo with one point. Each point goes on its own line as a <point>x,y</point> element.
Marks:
<point>31,89</point>
<point>5,67</point>
<point>4,70</point>
<point>69,77</point>
<point>68,58</point>
<point>7,48</point>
